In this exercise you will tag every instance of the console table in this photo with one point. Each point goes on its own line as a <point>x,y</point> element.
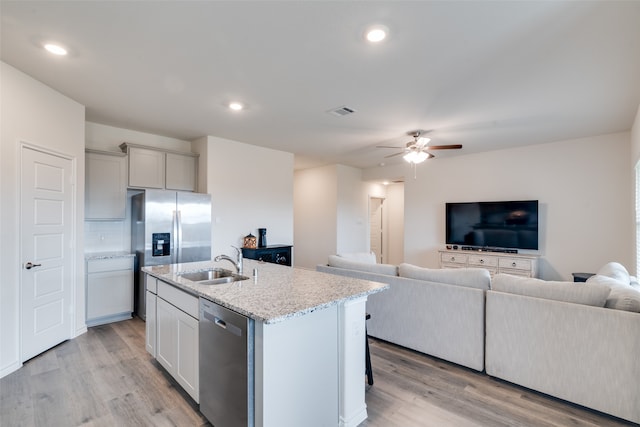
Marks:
<point>275,254</point>
<point>495,262</point>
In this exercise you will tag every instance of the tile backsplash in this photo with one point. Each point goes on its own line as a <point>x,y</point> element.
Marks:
<point>107,236</point>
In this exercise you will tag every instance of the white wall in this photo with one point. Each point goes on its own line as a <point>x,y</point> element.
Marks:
<point>251,187</point>
<point>331,213</point>
<point>109,138</point>
<point>394,211</point>
<point>315,207</point>
<point>583,186</point>
<point>635,158</point>
<point>352,228</point>
<point>33,113</point>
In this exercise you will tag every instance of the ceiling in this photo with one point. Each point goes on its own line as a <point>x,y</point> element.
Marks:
<point>488,75</point>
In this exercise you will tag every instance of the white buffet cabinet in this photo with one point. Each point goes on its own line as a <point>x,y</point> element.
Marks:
<point>495,262</point>
<point>308,359</point>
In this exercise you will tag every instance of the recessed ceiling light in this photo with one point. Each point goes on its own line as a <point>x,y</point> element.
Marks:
<point>377,33</point>
<point>55,49</point>
<point>236,106</point>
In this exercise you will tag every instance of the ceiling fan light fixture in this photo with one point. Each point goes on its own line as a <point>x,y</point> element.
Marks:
<point>415,157</point>
<point>423,140</point>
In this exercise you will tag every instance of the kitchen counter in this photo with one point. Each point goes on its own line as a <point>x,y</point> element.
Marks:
<point>107,255</point>
<point>277,293</point>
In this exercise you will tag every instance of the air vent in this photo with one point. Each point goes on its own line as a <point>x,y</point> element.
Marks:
<point>341,111</point>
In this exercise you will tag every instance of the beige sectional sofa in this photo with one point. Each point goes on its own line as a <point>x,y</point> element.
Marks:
<point>437,312</point>
<point>576,341</point>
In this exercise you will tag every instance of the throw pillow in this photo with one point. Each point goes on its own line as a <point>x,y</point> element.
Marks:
<point>478,278</point>
<point>368,257</point>
<point>616,271</point>
<point>594,294</point>
<point>623,296</point>
<point>340,262</point>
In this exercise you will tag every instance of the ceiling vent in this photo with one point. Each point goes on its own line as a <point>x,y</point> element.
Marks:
<point>341,111</point>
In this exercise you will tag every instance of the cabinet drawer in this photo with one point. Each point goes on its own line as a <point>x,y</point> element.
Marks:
<point>184,301</point>
<point>482,261</point>
<point>152,284</point>
<point>449,258</point>
<point>109,264</point>
<point>515,263</point>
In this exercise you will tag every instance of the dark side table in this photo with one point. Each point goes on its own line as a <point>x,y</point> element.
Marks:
<point>276,254</point>
<point>581,277</point>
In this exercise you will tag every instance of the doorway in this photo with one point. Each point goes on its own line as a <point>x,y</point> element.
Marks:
<point>376,228</point>
<point>46,250</point>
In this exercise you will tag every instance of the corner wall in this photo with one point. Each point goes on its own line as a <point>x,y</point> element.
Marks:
<point>34,113</point>
<point>583,185</point>
<point>251,187</point>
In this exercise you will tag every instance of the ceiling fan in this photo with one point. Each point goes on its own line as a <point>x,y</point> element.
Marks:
<point>417,151</point>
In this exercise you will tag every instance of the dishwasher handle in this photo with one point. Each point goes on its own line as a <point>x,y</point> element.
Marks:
<point>230,327</point>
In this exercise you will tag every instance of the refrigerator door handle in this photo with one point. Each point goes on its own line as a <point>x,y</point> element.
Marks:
<point>179,235</point>
<point>174,238</point>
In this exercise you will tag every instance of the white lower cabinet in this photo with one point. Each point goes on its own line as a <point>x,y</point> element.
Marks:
<point>109,290</point>
<point>150,324</point>
<point>177,342</point>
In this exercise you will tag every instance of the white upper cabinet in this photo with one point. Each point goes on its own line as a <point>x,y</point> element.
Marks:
<point>146,168</point>
<point>181,172</point>
<point>105,185</point>
<point>155,168</point>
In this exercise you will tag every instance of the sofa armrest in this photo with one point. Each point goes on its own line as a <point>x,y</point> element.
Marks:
<point>586,355</point>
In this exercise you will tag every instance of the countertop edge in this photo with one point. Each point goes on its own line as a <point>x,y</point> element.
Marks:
<point>192,289</point>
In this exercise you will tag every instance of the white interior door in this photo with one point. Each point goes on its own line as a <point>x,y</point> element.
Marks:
<point>375,224</point>
<point>46,197</point>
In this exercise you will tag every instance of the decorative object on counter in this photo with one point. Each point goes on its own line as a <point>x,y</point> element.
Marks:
<point>262,237</point>
<point>249,241</point>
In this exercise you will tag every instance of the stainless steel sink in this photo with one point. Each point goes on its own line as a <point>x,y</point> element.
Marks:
<point>214,276</point>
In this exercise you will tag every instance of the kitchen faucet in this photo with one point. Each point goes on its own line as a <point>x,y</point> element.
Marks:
<point>237,263</point>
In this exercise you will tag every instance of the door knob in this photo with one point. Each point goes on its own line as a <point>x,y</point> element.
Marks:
<point>30,265</point>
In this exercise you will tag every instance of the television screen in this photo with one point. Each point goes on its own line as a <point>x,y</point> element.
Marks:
<point>510,224</point>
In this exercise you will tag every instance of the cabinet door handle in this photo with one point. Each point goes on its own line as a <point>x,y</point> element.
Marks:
<point>481,261</point>
<point>513,264</point>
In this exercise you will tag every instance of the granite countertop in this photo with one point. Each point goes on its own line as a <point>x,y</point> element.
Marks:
<point>276,294</point>
<point>107,255</point>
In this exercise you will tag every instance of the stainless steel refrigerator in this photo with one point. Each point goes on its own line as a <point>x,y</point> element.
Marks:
<point>168,227</point>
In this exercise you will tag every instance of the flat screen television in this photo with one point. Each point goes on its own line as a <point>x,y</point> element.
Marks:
<point>499,225</point>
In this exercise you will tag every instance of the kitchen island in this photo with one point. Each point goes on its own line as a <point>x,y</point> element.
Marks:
<point>309,338</point>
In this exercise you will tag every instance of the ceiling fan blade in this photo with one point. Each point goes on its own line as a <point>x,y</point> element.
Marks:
<point>443,147</point>
<point>393,155</point>
<point>388,146</point>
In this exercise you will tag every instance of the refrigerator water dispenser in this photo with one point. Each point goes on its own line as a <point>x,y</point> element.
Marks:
<point>160,242</point>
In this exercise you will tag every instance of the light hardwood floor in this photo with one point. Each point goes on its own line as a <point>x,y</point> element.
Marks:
<point>106,378</point>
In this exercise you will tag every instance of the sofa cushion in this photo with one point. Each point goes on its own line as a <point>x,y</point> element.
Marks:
<point>594,294</point>
<point>623,296</point>
<point>368,257</point>
<point>340,262</point>
<point>478,278</point>
<point>616,271</point>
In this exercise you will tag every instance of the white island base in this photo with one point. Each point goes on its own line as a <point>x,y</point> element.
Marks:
<point>309,370</point>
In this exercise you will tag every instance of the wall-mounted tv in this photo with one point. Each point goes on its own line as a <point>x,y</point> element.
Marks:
<point>500,225</point>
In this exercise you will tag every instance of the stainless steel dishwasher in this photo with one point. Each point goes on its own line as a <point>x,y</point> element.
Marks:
<point>226,366</point>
